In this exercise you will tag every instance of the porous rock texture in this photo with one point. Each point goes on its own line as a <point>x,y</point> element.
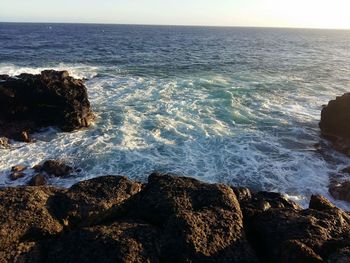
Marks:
<point>340,190</point>
<point>167,219</point>
<point>335,122</point>
<point>335,126</point>
<point>30,102</point>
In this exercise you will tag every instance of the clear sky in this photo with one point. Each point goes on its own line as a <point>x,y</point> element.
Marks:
<point>267,13</point>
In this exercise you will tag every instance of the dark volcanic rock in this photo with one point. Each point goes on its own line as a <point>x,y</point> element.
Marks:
<point>169,219</point>
<point>335,122</point>
<point>298,233</point>
<point>18,168</point>
<point>254,203</point>
<point>37,180</point>
<point>281,231</point>
<point>200,222</point>
<point>90,199</point>
<point>16,175</point>
<point>119,242</point>
<point>52,98</point>
<point>318,202</point>
<point>340,190</point>
<point>295,251</point>
<point>345,170</point>
<point>24,218</point>
<point>17,172</point>
<point>56,168</point>
<point>4,143</point>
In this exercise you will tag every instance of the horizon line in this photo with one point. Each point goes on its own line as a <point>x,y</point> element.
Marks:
<point>174,25</point>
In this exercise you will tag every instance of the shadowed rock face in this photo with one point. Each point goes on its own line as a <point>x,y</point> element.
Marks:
<point>335,122</point>
<point>52,98</point>
<point>89,200</point>
<point>4,143</point>
<point>340,190</point>
<point>24,218</point>
<point>55,168</point>
<point>335,126</point>
<point>200,222</point>
<point>169,219</point>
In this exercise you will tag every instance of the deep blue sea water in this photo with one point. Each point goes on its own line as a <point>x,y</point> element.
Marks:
<point>228,105</point>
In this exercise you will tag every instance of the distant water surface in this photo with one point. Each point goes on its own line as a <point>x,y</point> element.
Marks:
<point>228,105</point>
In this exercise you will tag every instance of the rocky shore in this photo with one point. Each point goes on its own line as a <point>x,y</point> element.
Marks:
<point>168,219</point>
<point>30,102</point>
<point>335,126</point>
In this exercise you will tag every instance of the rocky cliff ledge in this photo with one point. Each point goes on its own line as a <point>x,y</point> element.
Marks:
<point>168,219</point>
<point>335,126</point>
<point>29,102</point>
<point>335,122</point>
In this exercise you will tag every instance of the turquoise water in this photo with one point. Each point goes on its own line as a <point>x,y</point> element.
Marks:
<point>228,105</point>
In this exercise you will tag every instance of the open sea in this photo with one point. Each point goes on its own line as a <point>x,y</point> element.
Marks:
<point>228,105</point>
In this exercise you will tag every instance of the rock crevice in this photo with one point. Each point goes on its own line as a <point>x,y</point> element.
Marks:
<point>168,219</point>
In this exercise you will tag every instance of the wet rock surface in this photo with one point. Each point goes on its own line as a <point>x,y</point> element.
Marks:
<point>89,200</point>
<point>335,122</point>
<point>335,126</point>
<point>38,180</point>
<point>55,168</point>
<point>340,190</point>
<point>24,218</point>
<point>41,173</point>
<point>168,219</point>
<point>291,234</point>
<point>53,98</point>
<point>4,143</point>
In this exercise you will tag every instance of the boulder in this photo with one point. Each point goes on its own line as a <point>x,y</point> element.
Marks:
<point>118,242</point>
<point>4,143</point>
<point>335,122</point>
<point>337,250</point>
<point>168,219</point>
<point>18,168</point>
<point>295,251</point>
<point>16,175</point>
<point>52,98</point>
<point>340,190</point>
<point>258,202</point>
<point>55,168</point>
<point>88,200</point>
<point>24,219</point>
<point>201,222</point>
<point>346,170</point>
<point>296,235</point>
<point>320,203</point>
<point>38,180</point>
<point>17,172</point>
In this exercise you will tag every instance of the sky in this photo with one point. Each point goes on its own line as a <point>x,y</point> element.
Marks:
<point>261,13</point>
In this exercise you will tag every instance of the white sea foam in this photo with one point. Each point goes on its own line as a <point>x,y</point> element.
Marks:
<point>76,70</point>
<point>251,133</point>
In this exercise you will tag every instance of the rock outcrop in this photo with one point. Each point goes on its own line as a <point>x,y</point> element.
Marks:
<point>41,173</point>
<point>4,143</point>
<point>340,190</point>
<point>168,219</point>
<point>335,126</point>
<point>53,98</point>
<point>335,122</point>
<point>55,168</point>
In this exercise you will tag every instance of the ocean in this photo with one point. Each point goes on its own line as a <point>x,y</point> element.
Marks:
<point>223,105</point>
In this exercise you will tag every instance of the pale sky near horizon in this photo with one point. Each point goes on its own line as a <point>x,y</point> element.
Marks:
<point>264,13</point>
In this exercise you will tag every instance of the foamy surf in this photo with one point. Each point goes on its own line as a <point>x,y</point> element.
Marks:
<point>80,71</point>
<point>216,113</point>
<point>146,124</point>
